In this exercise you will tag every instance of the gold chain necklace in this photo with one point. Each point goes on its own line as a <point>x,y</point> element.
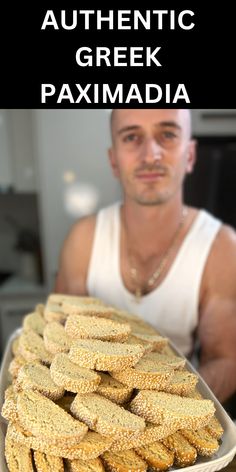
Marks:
<point>158,271</point>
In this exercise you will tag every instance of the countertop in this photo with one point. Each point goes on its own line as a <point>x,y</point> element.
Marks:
<point>20,286</point>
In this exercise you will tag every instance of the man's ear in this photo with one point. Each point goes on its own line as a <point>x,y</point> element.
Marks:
<point>191,156</point>
<point>113,162</point>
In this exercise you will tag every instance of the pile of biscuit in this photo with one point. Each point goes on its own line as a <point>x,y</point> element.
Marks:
<point>97,389</point>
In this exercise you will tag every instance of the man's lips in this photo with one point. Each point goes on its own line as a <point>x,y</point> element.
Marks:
<point>150,175</point>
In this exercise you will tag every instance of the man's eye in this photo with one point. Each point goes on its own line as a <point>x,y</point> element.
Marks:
<point>130,138</point>
<point>169,135</point>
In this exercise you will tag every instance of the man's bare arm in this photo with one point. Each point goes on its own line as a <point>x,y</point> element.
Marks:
<point>218,340</point>
<point>217,326</point>
<point>75,257</point>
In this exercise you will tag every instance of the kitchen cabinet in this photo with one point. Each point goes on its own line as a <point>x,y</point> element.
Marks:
<point>212,184</point>
<point>213,122</point>
<point>17,167</point>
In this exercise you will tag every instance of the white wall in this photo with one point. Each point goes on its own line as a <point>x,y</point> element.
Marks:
<point>5,151</point>
<point>16,152</point>
<point>69,140</point>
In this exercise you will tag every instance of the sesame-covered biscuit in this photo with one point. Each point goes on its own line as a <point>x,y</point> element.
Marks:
<point>113,389</point>
<point>146,374</point>
<point>79,465</point>
<point>34,322</point>
<point>106,417</point>
<point>104,355</point>
<point>87,327</point>
<point>157,456</point>
<point>181,383</point>
<point>161,407</point>
<point>42,417</point>
<point>47,463</point>
<point>185,453</point>
<point>72,377</point>
<point>32,348</point>
<point>202,440</point>
<point>18,457</point>
<point>125,461</point>
<point>91,446</point>
<point>37,377</point>
<point>55,338</point>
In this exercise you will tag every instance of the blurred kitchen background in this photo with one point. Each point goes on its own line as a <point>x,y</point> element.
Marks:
<point>54,169</point>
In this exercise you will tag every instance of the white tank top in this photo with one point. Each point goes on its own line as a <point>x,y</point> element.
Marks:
<point>172,308</point>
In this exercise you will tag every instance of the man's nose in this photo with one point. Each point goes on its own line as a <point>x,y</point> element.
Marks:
<point>153,151</point>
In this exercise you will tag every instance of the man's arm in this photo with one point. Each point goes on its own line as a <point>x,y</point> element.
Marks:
<point>75,257</point>
<point>217,325</point>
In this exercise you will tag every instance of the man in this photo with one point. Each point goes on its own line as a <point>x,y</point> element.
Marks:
<point>151,255</point>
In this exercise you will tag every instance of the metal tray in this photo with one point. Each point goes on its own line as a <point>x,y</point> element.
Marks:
<point>221,459</point>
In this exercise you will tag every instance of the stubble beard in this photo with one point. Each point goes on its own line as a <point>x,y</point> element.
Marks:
<point>151,195</point>
<point>151,200</point>
<point>154,196</point>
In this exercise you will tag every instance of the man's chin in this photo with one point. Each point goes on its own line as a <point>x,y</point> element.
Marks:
<point>151,201</point>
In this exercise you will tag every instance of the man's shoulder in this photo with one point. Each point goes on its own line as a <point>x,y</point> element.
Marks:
<point>226,239</point>
<point>224,244</point>
<point>85,226</point>
<point>224,233</point>
<point>81,231</point>
<point>220,271</point>
<point>74,257</point>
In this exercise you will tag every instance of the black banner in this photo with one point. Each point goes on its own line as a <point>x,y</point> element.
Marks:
<point>75,57</point>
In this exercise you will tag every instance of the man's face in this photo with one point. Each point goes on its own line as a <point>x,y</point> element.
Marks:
<point>151,153</point>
